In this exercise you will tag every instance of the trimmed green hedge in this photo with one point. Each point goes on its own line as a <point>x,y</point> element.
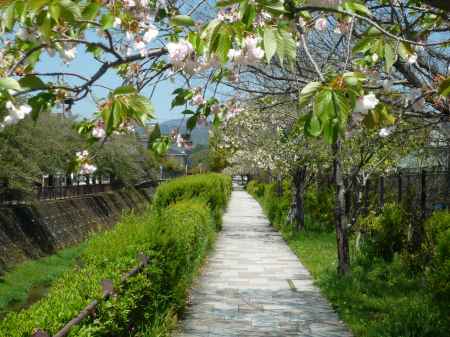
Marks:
<point>175,235</point>
<point>213,188</point>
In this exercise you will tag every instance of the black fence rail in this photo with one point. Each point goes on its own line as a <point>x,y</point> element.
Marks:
<point>58,187</point>
<point>423,191</point>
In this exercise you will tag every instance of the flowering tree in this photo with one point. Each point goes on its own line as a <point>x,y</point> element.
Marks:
<point>269,140</point>
<point>394,65</point>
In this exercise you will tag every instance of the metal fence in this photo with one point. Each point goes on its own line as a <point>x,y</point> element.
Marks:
<point>58,187</point>
<point>421,191</point>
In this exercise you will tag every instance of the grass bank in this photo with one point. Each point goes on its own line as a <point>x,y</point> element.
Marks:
<point>28,282</point>
<point>378,298</point>
<point>174,234</point>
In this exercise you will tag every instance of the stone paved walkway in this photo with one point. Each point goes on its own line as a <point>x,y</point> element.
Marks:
<point>254,286</point>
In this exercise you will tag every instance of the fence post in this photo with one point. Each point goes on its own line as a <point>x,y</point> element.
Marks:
<point>381,191</point>
<point>399,178</point>
<point>423,193</point>
<point>366,196</point>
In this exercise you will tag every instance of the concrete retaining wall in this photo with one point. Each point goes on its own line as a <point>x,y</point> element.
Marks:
<point>32,231</point>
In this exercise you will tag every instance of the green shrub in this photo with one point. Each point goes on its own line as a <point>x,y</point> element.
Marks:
<point>213,188</point>
<point>256,189</point>
<point>175,237</point>
<point>439,272</point>
<point>319,206</point>
<point>435,225</point>
<point>276,206</point>
<point>385,234</point>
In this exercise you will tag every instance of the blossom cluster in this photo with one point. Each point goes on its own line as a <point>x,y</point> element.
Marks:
<point>182,56</point>
<point>86,167</point>
<point>15,114</point>
<point>251,53</point>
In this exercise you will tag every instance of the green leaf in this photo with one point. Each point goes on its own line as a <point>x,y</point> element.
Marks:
<point>40,103</point>
<point>307,93</point>
<point>55,11</point>
<point>183,20</point>
<point>46,26</point>
<point>10,16</point>
<point>90,12</point>
<point>188,112</point>
<point>226,3</point>
<point>70,9</point>
<point>385,115</point>
<point>270,43</point>
<point>389,56</point>
<point>286,46</point>
<point>124,90</point>
<point>354,78</point>
<point>330,131</point>
<point>444,88</point>
<point>192,122</point>
<point>248,13</point>
<point>32,82</point>
<point>312,126</point>
<point>107,21</point>
<point>177,101</point>
<point>363,45</point>
<point>356,7</point>
<point>223,46</point>
<point>10,83</point>
<point>405,50</point>
<point>37,4</point>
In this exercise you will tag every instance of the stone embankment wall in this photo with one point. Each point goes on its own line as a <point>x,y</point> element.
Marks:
<point>32,231</point>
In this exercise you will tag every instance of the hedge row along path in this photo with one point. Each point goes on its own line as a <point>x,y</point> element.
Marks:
<point>254,286</point>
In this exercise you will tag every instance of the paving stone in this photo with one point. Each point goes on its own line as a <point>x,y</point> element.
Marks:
<point>244,289</point>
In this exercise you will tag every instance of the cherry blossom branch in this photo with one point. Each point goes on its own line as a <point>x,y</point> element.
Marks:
<point>311,59</point>
<point>370,22</point>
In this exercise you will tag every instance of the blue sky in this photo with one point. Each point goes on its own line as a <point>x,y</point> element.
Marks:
<point>85,65</point>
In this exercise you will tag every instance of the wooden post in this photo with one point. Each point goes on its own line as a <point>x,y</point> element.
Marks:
<point>381,191</point>
<point>366,196</point>
<point>423,194</point>
<point>399,196</point>
<point>448,177</point>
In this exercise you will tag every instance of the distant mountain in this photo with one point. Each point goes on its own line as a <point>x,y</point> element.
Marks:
<point>199,135</point>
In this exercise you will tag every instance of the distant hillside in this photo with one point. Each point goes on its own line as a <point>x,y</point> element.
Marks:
<point>198,136</point>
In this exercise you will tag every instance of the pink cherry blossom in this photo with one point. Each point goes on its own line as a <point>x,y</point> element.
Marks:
<point>198,99</point>
<point>321,24</point>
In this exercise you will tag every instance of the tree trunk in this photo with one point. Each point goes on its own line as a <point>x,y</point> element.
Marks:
<point>297,211</point>
<point>340,217</point>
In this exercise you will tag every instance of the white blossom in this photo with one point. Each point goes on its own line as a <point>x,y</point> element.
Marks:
<point>82,155</point>
<point>15,114</point>
<point>412,59</point>
<point>385,132</point>
<point>68,55</point>
<point>87,168</point>
<point>129,3</point>
<point>151,33</point>
<point>179,140</point>
<point>99,131</point>
<point>179,51</point>
<point>366,103</point>
<point>117,22</point>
